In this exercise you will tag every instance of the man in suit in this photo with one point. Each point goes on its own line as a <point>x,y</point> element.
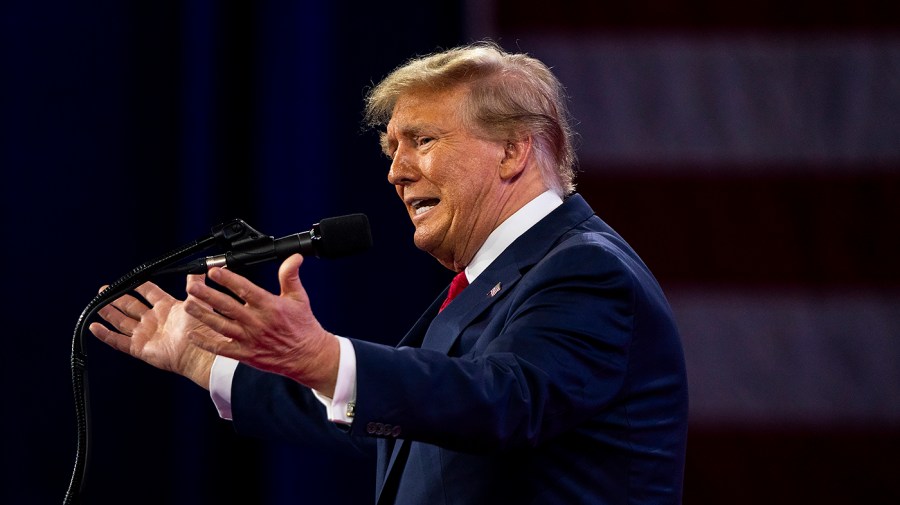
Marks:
<point>555,375</point>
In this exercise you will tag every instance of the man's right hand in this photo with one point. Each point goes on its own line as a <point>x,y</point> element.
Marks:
<point>156,334</point>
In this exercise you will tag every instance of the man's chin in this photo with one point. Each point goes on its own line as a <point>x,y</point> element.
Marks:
<point>427,243</point>
<point>423,241</point>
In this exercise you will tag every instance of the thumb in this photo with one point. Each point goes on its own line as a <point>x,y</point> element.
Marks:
<point>289,277</point>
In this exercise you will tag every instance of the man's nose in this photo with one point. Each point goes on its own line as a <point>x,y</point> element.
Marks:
<point>403,169</point>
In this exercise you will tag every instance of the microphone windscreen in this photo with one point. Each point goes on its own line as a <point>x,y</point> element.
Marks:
<point>343,235</point>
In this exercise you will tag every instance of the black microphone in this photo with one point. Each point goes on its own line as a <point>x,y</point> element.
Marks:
<point>333,237</point>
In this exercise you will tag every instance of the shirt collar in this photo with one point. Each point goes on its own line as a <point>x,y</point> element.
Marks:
<point>511,229</point>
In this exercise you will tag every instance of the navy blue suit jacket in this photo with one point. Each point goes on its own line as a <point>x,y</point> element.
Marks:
<point>557,376</point>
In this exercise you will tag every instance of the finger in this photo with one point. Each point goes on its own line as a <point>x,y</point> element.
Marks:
<point>212,299</point>
<point>218,344</point>
<point>239,285</point>
<point>218,323</point>
<point>115,340</point>
<point>152,293</point>
<point>130,306</point>
<point>119,320</point>
<point>195,279</point>
<point>289,277</point>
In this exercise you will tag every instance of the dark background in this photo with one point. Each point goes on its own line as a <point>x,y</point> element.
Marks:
<point>130,128</point>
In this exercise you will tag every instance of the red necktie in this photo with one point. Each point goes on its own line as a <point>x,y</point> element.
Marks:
<point>456,286</point>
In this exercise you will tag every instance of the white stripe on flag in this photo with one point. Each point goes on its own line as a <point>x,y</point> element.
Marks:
<point>794,356</point>
<point>748,102</point>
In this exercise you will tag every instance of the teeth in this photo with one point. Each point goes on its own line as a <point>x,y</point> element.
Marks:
<point>422,206</point>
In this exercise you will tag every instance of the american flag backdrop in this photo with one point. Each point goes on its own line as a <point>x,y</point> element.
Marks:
<point>750,152</point>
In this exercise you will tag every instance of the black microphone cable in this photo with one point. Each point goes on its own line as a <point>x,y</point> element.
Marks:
<point>126,283</point>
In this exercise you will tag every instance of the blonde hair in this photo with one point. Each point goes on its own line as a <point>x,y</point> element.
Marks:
<point>510,96</point>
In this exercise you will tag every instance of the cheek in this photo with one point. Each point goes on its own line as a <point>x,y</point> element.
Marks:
<point>454,178</point>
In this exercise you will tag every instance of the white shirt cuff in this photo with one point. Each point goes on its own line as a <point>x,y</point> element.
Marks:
<point>220,377</point>
<point>340,408</point>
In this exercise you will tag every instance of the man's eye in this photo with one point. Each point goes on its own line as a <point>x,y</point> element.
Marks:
<point>421,141</point>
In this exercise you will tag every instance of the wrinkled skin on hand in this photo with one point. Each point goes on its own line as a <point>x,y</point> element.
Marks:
<point>275,333</point>
<point>158,333</point>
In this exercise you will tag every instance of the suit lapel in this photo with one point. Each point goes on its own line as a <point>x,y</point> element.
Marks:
<point>414,336</point>
<point>478,297</point>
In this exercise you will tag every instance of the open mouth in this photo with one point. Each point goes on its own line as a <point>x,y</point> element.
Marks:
<point>424,205</point>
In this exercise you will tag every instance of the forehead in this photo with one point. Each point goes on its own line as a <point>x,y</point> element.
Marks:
<point>421,107</point>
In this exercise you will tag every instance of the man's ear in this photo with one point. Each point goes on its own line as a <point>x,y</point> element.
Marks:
<point>516,156</point>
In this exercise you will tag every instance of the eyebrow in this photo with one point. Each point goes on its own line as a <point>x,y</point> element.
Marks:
<point>408,131</point>
<point>413,130</point>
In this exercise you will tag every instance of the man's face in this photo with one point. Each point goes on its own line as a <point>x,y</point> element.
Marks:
<point>446,175</point>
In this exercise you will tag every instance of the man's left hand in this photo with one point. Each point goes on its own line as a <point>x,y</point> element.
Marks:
<point>274,333</point>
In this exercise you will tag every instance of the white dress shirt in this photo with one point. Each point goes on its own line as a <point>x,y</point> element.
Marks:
<point>340,406</point>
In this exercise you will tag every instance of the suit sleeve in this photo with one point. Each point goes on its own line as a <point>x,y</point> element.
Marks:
<point>273,407</point>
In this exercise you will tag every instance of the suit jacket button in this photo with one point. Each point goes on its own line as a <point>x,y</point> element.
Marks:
<point>370,428</point>
<point>395,432</point>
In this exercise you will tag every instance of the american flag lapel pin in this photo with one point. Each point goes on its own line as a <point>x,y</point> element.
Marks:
<point>494,290</point>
